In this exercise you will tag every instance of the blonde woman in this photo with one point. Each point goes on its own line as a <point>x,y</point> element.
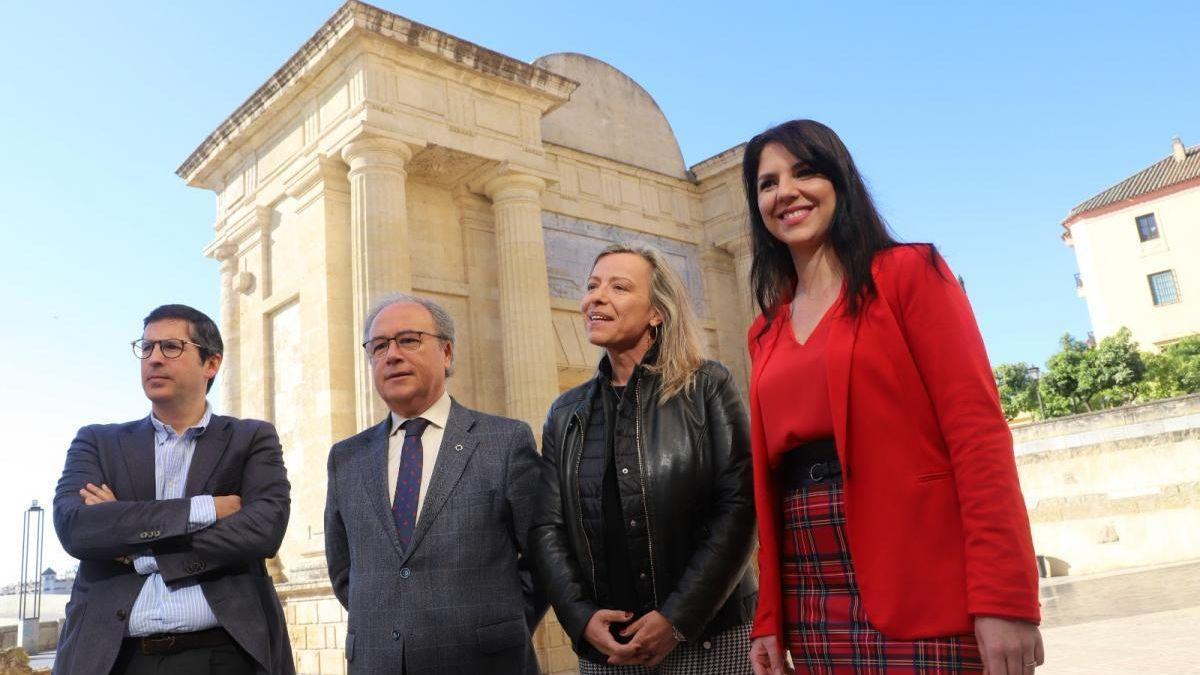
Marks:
<point>646,524</point>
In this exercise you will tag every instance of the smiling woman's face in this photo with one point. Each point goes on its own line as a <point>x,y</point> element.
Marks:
<point>795,202</point>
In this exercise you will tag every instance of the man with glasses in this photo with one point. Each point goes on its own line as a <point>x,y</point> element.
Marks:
<point>427,515</point>
<point>171,517</point>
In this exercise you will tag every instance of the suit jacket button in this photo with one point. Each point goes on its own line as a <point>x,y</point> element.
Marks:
<point>396,635</point>
<point>405,573</point>
<point>143,535</point>
<point>120,615</point>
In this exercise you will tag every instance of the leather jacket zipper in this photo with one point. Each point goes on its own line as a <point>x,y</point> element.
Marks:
<point>637,400</point>
<point>579,504</point>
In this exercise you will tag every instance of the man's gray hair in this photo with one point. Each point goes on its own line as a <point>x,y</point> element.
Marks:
<point>442,321</point>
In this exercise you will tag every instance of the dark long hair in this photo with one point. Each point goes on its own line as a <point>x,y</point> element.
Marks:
<point>857,231</point>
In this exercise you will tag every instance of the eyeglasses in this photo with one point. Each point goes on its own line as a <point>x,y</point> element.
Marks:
<point>409,341</point>
<point>170,348</point>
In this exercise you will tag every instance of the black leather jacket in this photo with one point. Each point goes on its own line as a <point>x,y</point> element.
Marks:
<point>689,496</point>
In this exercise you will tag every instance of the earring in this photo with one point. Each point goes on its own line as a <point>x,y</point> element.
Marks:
<point>655,332</point>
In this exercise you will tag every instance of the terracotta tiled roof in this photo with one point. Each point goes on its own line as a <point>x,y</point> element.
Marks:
<point>1162,174</point>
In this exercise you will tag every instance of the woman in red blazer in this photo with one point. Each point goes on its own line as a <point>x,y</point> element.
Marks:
<point>894,538</point>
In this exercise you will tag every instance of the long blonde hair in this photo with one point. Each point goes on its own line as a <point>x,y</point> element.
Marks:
<point>679,351</point>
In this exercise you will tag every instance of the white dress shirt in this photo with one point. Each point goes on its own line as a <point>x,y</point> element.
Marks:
<point>180,607</point>
<point>431,442</point>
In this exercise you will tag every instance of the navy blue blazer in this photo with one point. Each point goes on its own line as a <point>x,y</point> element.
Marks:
<point>232,456</point>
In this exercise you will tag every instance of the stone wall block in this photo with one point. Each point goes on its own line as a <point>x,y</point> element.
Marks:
<point>309,663</point>
<point>314,637</point>
<point>332,662</point>
<point>330,611</point>
<point>306,613</point>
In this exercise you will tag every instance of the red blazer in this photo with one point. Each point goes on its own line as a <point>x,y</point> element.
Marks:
<point>937,527</point>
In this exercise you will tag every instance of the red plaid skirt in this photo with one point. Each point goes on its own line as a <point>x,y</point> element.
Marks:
<point>828,631</point>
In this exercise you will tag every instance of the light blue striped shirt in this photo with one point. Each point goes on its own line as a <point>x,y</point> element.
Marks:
<point>181,607</point>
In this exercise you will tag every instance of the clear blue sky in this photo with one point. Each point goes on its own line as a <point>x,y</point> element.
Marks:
<point>978,126</point>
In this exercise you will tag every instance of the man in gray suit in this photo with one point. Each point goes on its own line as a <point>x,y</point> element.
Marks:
<point>427,516</point>
<point>171,517</point>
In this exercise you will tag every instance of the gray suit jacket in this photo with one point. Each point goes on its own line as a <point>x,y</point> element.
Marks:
<point>460,598</point>
<point>232,457</point>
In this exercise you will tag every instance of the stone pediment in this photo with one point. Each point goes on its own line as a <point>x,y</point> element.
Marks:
<point>330,41</point>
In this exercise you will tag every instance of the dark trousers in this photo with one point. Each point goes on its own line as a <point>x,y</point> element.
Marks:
<point>222,660</point>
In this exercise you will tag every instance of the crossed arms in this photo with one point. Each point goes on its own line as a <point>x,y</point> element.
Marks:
<point>91,527</point>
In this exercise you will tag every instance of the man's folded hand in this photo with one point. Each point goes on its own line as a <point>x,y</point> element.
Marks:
<point>227,505</point>
<point>93,494</point>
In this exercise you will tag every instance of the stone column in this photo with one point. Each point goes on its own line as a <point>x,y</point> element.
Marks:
<point>379,258</point>
<point>739,248</point>
<point>529,349</point>
<point>230,403</point>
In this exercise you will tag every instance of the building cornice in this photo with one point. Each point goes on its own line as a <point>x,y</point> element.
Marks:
<point>719,162</point>
<point>1126,203</point>
<point>352,17</point>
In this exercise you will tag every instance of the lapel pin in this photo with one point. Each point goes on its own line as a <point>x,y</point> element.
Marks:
<point>458,448</point>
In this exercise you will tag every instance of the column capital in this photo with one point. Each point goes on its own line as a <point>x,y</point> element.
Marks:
<point>496,180</point>
<point>376,151</point>
<point>224,253</point>
<point>514,185</point>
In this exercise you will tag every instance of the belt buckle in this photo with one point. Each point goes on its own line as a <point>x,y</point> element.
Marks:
<point>157,645</point>
<point>813,472</point>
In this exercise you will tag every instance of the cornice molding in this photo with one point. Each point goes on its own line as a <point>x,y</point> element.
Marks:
<point>360,18</point>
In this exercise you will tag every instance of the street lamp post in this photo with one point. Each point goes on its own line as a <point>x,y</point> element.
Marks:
<point>29,605</point>
<point>1034,373</point>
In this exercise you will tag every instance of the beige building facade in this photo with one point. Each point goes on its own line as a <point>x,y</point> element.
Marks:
<point>1137,245</point>
<point>388,156</point>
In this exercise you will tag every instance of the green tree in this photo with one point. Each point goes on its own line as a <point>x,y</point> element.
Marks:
<point>1080,378</point>
<point>1115,370</point>
<point>1175,370</point>
<point>1017,389</point>
<point>1067,386</point>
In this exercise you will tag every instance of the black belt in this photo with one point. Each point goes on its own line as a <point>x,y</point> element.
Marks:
<point>173,643</point>
<point>810,464</point>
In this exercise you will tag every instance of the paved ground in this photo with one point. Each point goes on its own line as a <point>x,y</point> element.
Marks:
<point>1138,622</point>
<point>1141,622</point>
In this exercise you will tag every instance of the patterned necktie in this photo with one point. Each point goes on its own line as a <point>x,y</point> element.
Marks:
<point>408,481</point>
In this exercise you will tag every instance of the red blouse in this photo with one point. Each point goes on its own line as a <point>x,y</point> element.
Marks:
<point>796,373</point>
